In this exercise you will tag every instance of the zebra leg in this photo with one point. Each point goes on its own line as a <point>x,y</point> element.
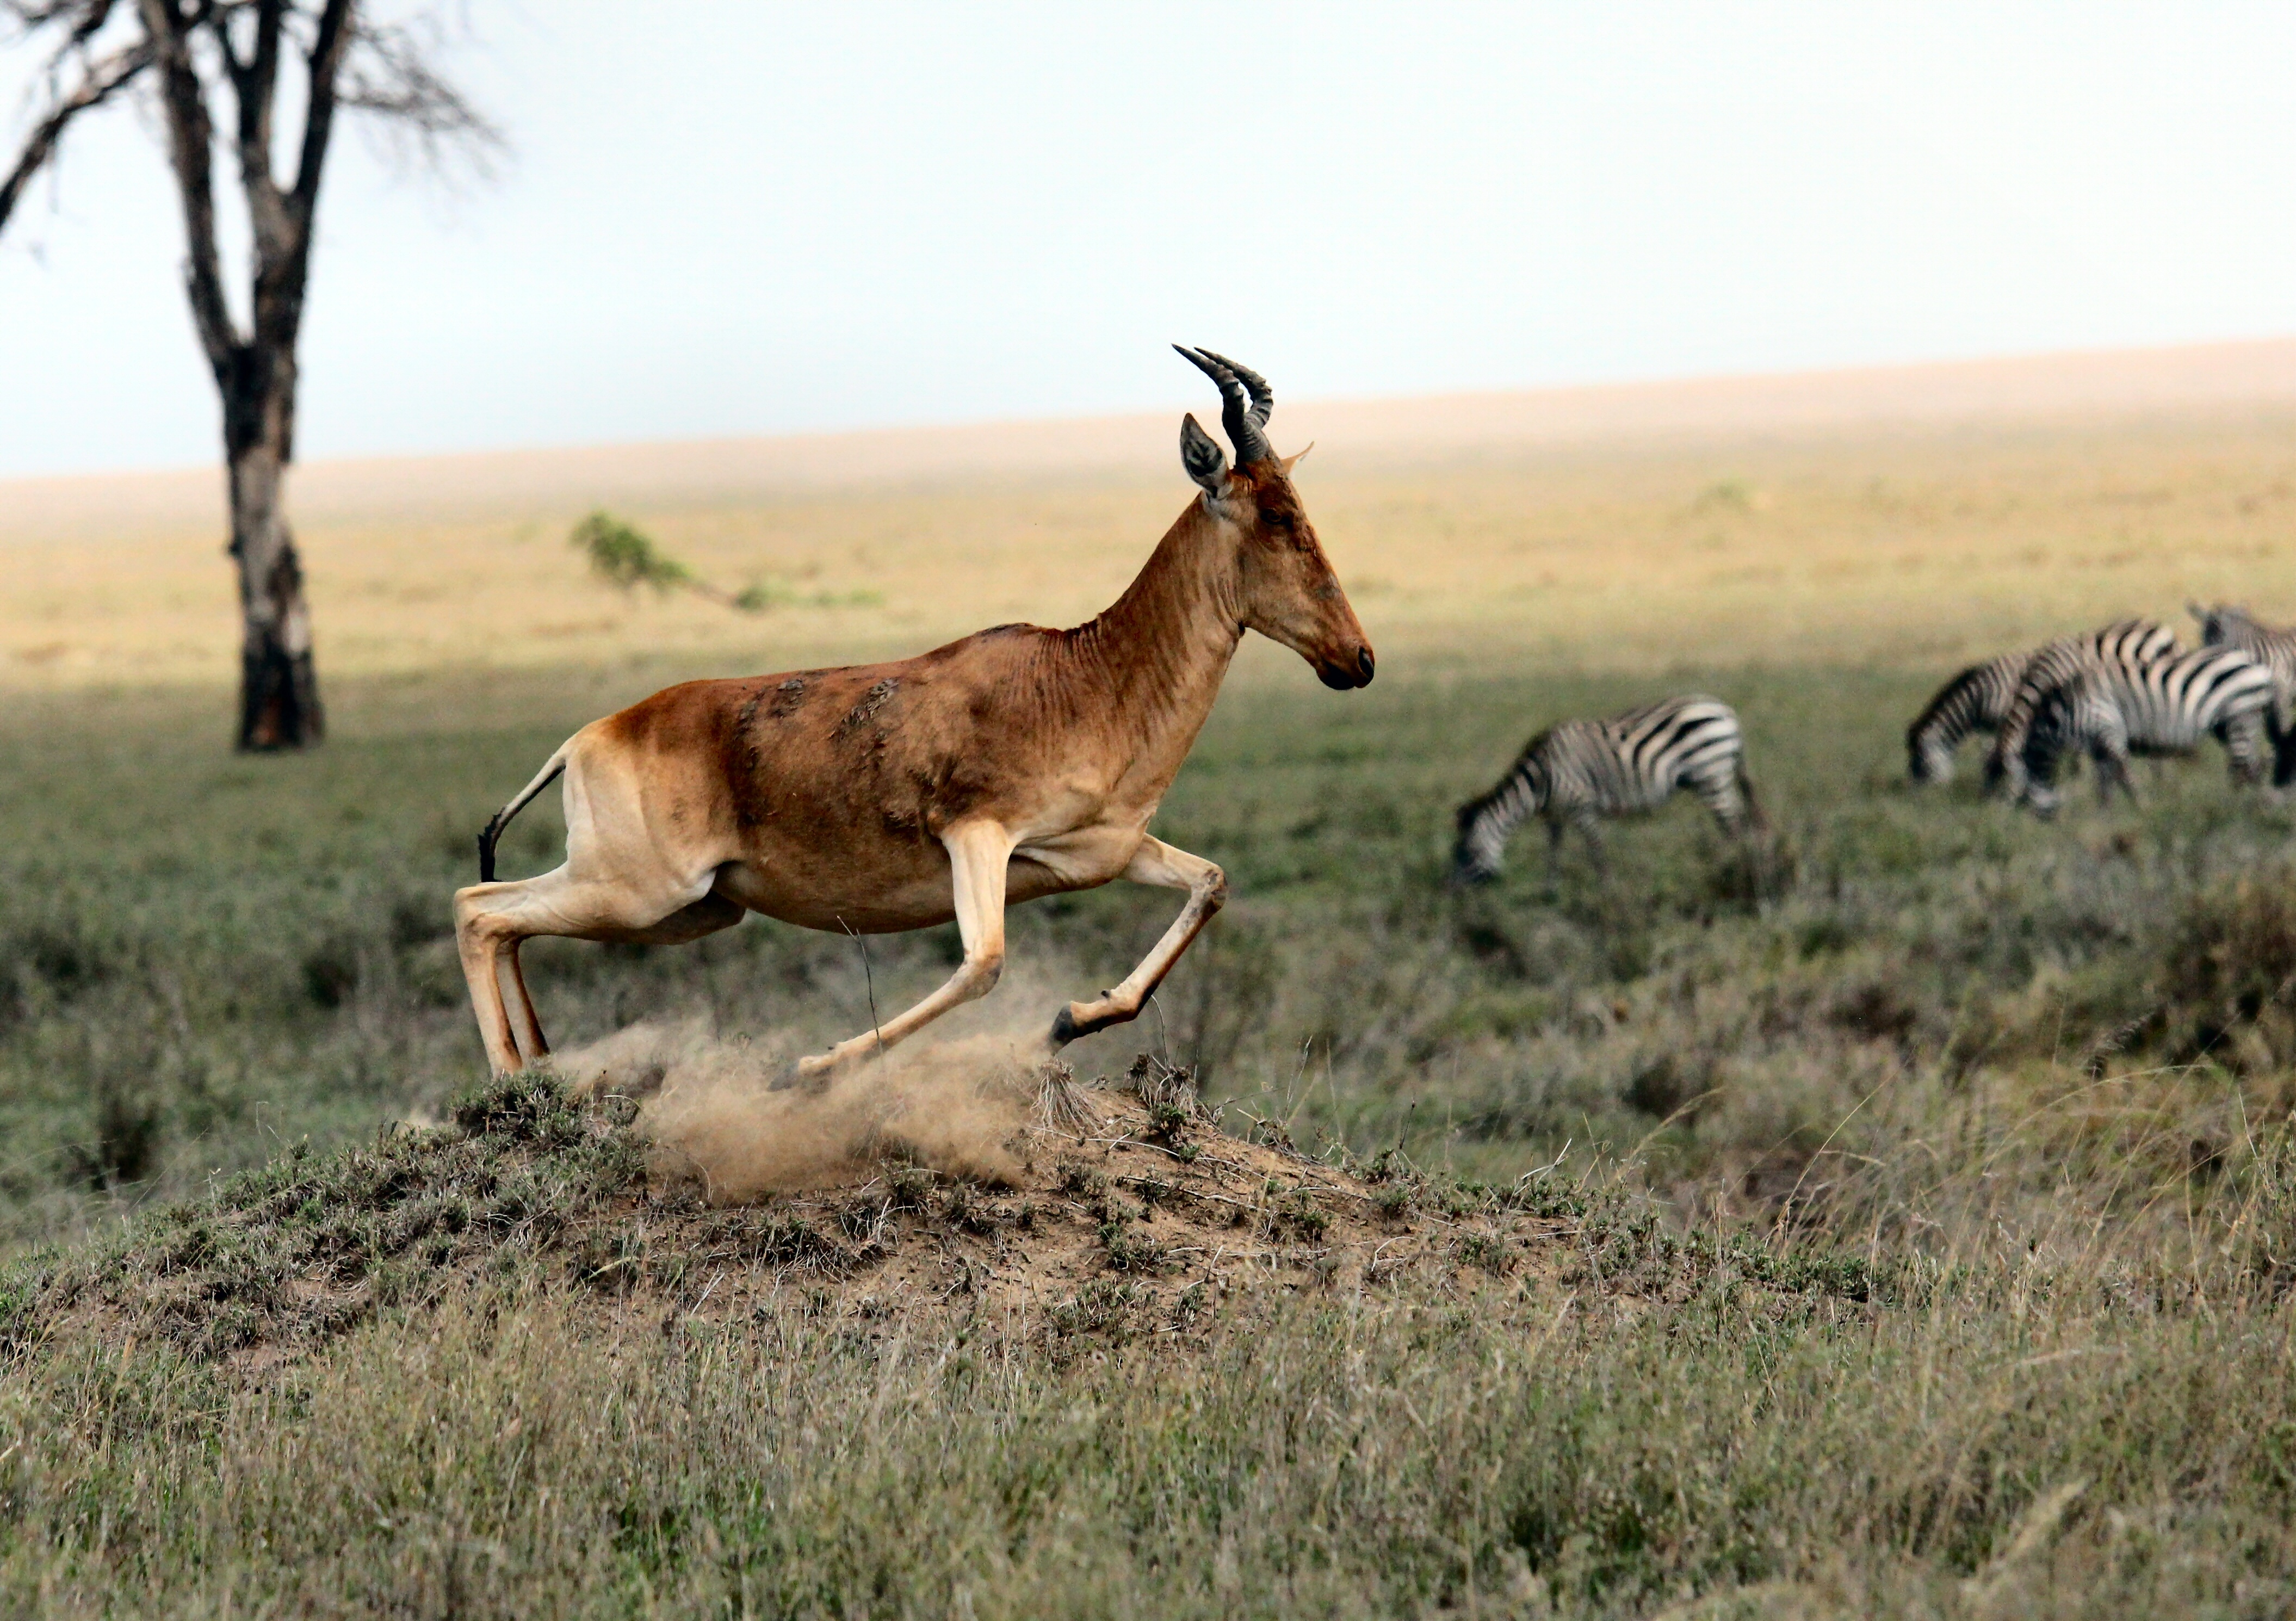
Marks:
<point>2111,769</point>
<point>1729,797</point>
<point>2286,759</point>
<point>2278,742</point>
<point>1589,824</point>
<point>2244,743</point>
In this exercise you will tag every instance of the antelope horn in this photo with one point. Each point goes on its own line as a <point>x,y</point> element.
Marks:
<point>1262,397</point>
<point>1245,401</point>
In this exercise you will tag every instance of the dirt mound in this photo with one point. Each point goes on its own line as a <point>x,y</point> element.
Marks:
<point>1121,1197</point>
<point>1125,1204</point>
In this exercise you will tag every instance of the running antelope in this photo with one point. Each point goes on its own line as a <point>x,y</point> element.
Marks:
<point>1016,763</point>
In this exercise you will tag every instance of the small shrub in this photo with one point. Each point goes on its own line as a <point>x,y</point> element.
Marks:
<point>1101,1306</point>
<point>1130,1251</point>
<point>2231,964</point>
<point>1490,1251</point>
<point>331,973</point>
<point>126,1143</point>
<point>626,557</point>
<point>1081,1180</point>
<point>1296,1216</point>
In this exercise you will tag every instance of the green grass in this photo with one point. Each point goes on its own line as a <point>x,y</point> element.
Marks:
<point>1936,1218</point>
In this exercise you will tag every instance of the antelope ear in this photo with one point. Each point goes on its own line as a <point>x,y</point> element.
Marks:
<point>1296,457</point>
<point>1201,454</point>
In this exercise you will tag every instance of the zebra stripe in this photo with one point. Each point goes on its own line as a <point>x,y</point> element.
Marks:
<point>1579,771</point>
<point>2166,707</point>
<point>2272,646</point>
<point>2120,649</point>
<point>1978,698</point>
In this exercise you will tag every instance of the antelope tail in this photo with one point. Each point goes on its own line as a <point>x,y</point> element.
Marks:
<point>501,818</point>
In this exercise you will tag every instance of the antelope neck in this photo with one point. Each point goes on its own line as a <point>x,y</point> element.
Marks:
<point>1161,650</point>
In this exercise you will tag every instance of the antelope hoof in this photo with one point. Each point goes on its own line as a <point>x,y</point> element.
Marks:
<point>810,1074</point>
<point>1084,1019</point>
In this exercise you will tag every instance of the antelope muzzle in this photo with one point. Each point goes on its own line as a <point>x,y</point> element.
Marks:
<point>1345,672</point>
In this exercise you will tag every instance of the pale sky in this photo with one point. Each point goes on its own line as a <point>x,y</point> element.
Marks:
<point>727,218</point>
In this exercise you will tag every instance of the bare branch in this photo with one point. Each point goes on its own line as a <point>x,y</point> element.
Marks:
<point>190,138</point>
<point>389,73</point>
<point>102,79</point>
<point>32,15</point>
<point>324,62</point>
<point>254,83</point>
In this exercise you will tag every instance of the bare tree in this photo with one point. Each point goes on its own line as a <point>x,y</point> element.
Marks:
<point>214,66</point>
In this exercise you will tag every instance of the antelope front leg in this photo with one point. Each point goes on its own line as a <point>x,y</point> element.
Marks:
<point>1159,864</point>
<point>977,855</point>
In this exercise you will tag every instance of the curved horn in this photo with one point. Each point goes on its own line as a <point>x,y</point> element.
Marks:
<point>1244,407</point>
<point>1262,397</point>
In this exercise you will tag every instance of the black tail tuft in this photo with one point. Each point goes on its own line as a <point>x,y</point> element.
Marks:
<point>501,818</point>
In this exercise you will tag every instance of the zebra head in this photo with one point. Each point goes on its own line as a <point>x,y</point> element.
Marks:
<point>1479,853</point>
<point>2224,625</point>
<point>1929,756</point>
<point>1487,821</point>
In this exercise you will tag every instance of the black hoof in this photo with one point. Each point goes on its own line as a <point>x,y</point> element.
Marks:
<point>1064,1030</point>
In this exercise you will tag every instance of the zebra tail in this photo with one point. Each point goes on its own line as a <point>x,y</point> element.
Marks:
<point>1755,819</point>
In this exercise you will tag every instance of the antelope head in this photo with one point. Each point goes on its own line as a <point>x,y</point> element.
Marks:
<point>1285,589</point>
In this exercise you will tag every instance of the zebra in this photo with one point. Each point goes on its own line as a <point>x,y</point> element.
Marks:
<point>2166,707</point>
<point>2272,646</point>
<point>2125,645</point>
<point>1978,699</point>
<point>1579,771</point>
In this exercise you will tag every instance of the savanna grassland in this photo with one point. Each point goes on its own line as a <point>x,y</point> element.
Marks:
<point>1906,1226</point>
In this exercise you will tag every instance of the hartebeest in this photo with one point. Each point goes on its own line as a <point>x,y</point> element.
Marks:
<point>1016,763</point>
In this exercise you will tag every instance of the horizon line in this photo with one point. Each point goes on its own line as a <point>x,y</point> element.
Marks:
<point>1554,391</point>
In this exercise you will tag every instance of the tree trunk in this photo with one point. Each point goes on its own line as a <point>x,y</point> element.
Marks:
<point>278,683</point>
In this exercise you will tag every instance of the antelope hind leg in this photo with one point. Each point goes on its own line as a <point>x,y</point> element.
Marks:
<point>528,1024</point>
<point>977,853</point>
<point>1167,868</point>
<point>479,939</point>
<point>491,919</point>
<point>705,916</point>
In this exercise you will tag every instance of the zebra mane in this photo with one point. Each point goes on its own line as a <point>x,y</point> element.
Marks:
<point>1528,772</point>
<point>1952,715</point>
<point>2227,625</point>
<point>2220,618</point>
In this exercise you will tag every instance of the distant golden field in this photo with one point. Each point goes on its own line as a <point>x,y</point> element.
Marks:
<point>1904,519</point>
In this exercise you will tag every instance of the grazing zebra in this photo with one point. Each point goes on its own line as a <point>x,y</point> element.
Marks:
<point>2124,646</point>
<point>1978,699</point>
<point>1580,770</point>
<point>2272,646</point>
<point>2166,707</point>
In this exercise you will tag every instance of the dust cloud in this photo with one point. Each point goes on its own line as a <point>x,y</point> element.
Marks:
<point>962,1105</point>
